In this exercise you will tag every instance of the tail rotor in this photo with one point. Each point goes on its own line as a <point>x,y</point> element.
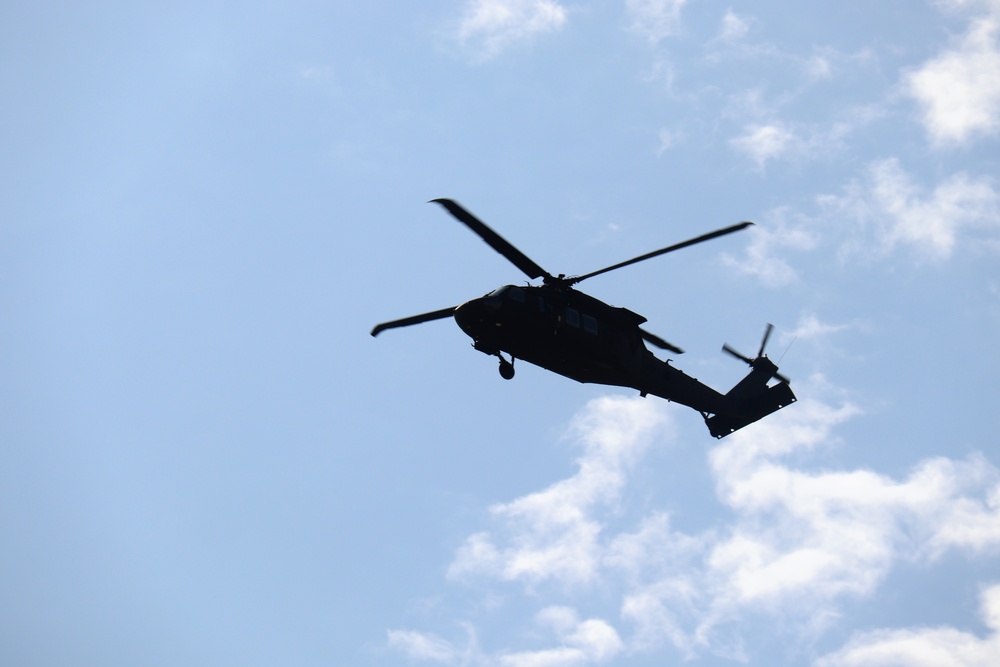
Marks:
<point>754,362</point>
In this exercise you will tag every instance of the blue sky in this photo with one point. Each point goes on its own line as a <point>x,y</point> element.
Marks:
<point>205,207</point>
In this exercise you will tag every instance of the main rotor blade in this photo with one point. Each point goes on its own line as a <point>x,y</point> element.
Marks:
<point>659,342</point>
<point>662,251</point>
<point>416,319</point>
<point>495,241</point>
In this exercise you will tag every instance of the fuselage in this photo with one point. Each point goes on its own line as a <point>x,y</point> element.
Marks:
<point>580,337</point>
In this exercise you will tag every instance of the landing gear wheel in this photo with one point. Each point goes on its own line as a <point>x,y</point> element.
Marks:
<point>506,369</point>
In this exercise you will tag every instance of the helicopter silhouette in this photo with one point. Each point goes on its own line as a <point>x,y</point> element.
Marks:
<point>561,329</point>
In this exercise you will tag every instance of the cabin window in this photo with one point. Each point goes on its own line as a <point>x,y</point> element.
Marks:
<point>590,325</point>
<point>573,318</point>
<point>541,305</point>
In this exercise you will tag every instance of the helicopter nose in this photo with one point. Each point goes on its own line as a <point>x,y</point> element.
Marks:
<point>466,316</point>
<point>472,315</point>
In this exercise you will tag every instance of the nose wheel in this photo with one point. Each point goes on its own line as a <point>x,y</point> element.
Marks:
<point>506,368</point>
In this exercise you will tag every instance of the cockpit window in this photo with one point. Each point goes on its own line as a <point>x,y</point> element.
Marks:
<point>508,292</point>
<point>590,324</point>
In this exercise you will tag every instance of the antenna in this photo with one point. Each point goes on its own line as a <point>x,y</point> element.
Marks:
<point>786,350</point>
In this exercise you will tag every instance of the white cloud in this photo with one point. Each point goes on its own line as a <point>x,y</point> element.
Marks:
<point>882,212</point>
<point>656,19</point>
<point>890,207</point>
<point>580,642</point>
<point>959,90</point>
<point>493,25</point>
<point>766,142</point>
<point>553,533</point>
<point>800,542</point>
<point>839,531</point>
<point>577,642</point>
<point>925,647</point>
<point>776,140</point>
<point>791,545</point>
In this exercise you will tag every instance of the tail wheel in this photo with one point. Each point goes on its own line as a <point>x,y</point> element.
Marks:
<point>507,368</point>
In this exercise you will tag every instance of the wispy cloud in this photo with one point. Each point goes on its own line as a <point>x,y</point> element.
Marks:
<point>731,40</point>
<point>655,19</point>
<point>491,26</point>
<point>810,326</point>
<point>733,27</point>
<point>775,140</point>
<point>555,533</point>
<point>766,142</point>
<point>769,245</point>
<point>792,544</point>
<point>426,647</point>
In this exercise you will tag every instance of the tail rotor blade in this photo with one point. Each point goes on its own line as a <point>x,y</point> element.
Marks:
<point>760,361</point>
<point>741,357</point>
<point>763,342</point>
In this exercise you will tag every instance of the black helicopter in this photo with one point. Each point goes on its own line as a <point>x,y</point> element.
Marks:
<point>558,328</point>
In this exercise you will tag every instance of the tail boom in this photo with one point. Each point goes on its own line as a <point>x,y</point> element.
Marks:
<point>750,400</point>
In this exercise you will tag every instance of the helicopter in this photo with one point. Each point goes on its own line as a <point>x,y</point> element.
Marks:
<point>563,330</point>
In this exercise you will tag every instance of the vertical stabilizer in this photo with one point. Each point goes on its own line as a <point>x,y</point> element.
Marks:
<point>749,406</point>
<point>752,399</point>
